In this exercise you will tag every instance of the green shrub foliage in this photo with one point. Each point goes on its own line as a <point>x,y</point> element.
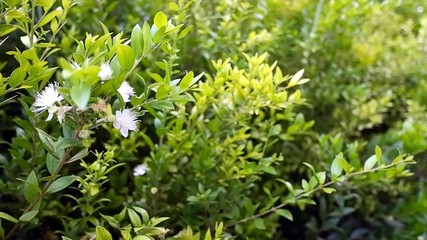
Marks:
<point>221,119</point>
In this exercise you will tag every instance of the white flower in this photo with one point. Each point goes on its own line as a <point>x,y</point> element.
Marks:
<point>51,110</point>
<point>140,170</point>
<point>126,91</point>
<point>105,73</point>
<point>46,101</point>
<point>125,121</point>
<point>61,113</point>
<point>26,41</point>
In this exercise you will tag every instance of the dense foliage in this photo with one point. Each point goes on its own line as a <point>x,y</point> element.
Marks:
<point>219,119</point>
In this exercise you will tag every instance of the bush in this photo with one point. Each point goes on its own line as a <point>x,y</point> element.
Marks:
<point>123,121</point>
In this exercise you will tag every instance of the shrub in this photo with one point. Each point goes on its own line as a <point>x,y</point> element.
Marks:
<point>230,149</point>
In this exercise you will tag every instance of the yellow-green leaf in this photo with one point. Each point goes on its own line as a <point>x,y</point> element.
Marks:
<point>48,18</point>
<point>285,213</point>
<point>28,216</point>
<point>186,81</point>
<point>8,217</point>
<point>160,20</point>
<point>126,56</point>
<point>137,40</point>
<point>103,234</point>
<point>370,163</point>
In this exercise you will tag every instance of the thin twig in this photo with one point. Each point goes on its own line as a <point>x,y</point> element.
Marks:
<point>306,194</point>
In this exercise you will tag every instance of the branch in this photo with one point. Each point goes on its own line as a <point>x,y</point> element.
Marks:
<point>306,194</point>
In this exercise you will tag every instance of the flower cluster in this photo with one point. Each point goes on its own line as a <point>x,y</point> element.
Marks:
<point>50,100</point>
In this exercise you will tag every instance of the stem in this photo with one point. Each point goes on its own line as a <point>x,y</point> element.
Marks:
<point>316,17</point>
<point>306,194</point>
<point>33,16</point>
<point>43,193</point>
<point>34,146</point>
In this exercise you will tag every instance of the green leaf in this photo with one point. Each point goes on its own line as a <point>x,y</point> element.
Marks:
<point>83,153</point>
<point>184,32</point>
<point>48,18</point>
<point>111,220</point>
<point>141,238</point>
<point>6,29</point>
<point>134,218</point>
<point>336,168</point>
<point>162,105</point>
<point>321,177</point>
<point>269,169</point>
<point>46,4</point>
<point>173,6</point>
<point>126,56</point>
<point>28,216</point>
<point>137,41</point>
<point>186,81</point>
<point>18,76</point>
<point>295,78</point>
<point>144,214</point>
<point>197,78</point>
<point>8,217</point>
<point>160,20</point>
<point>378,154</point>
<point>305,185</point>
<point>156,77</point>
<point>398,159</point>
<point>163,91</point>
<point>159,34</point>
<point>259,223</point>
<point>61,183</point>
<point>52,163</point>
<point>328,190</point>
<point>155,221</point>
<point>48,142</point>
<point>64,143</point>
<point>313,182</point>
<point>146,33</point>
<point>31,187</point>
<point>370,163</point>
<point>309,166</point>
<point>339,164</point>
<point>290,187</point>
<point>103,234</point>
<point>80,95</point>
<point>208,235</point>
<point>285,213</point>
<point>119,217</point>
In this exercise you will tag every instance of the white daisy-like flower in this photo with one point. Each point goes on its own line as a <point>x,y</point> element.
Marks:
<point>46,101</point>
<point>105,73</point>
<point>126,91</point>
<point>140,170</point>
<point>125,121</point>
<point>60,113</point>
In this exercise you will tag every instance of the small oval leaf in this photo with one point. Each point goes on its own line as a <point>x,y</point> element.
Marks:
<point>103,234</point>
<point>126,56</point>
<point>160,20</point>
<point>285,213</point>
<point>370,163</point>
<point>28,216</point>
<point>61,183</point>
